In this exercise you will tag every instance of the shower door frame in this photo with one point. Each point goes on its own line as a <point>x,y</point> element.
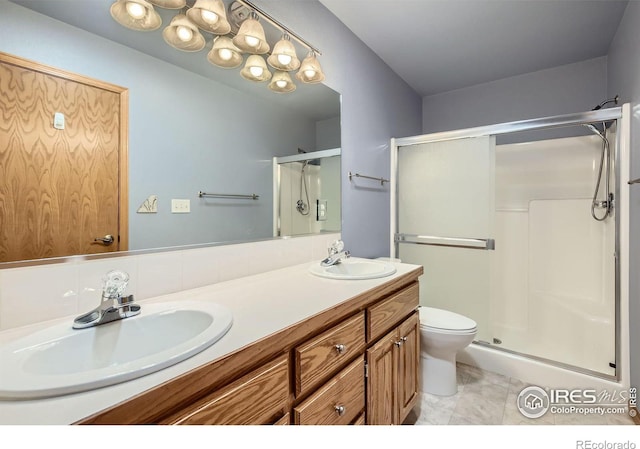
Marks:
<point>621,115</point>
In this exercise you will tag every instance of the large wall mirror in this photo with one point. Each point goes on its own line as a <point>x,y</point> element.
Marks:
<point>192,127</point>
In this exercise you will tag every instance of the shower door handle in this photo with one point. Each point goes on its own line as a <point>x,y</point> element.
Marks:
<point>635,181</point>
<point>459,242</point>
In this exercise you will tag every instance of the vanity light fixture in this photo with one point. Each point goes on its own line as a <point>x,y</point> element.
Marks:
<point>183,34</point>
<point>169,4</point>
<point>224,54</point>
<point>210,16</point>
<point>310,70</point>
<point>237,29</point>
<point>283,57</point>
<point>250,37</point>
<point>255,69</point>
<point>281,83</point>
<point>137,15</point>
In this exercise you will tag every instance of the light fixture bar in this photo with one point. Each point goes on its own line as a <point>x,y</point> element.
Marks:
<point>277,24</point>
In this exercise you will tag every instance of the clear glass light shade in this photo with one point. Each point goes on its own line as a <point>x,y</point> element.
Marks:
<point>183,34</point>
<point>281,82</point>
<point>224,54</point>
<point>169,4</point>
<point>210,16</point>
<point>250,38</point>
<point>255,69</point>
<point>137,15</point>
<point>283,57</point>
<point>310,70</point>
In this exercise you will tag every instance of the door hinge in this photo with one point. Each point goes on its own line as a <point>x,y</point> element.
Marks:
<point>366,370</point>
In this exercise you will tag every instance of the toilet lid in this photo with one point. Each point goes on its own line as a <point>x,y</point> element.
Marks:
<point>444,319</point>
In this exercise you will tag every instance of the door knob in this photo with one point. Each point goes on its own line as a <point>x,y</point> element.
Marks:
<point>106,240</point>
<point>340,409</point>
<point>340,348</point>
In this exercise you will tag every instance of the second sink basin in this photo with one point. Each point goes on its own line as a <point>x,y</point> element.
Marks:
<point>354,268</point>
<point>60,360</point>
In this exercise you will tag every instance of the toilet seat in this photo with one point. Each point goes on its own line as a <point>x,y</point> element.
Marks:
<point>444,321</point>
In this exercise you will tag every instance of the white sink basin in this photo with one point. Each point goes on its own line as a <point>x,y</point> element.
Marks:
<point>354,269</point>
<point>60,360</point>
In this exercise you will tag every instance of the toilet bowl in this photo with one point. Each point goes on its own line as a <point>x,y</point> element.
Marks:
<point>442,335</point>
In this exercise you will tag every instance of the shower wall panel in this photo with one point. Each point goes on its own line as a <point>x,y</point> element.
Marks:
<point>553,272</point>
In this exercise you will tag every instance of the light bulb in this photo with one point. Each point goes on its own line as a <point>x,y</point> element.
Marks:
<point>225,54</point>
<point>281,84</point>
<point>135,10</point>
<point>309,73</point>
<point>184,33</point>
<point>209,16</point>
<point>256,71</point>
<point>284,59</point>
<point>252,41</point>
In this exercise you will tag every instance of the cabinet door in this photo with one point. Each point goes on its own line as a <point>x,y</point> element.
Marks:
<point>381,394</point>
<point>408,366</point>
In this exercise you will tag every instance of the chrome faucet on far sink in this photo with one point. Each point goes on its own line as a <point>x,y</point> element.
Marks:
<point>113,305</point>
<point>336,254</point>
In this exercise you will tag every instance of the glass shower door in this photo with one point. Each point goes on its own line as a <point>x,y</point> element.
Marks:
<point>445,222</point>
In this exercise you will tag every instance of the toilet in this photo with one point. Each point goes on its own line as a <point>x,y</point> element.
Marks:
<point>442,335</point>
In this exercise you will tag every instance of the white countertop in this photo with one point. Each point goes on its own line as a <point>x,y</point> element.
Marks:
<point>262,305</point>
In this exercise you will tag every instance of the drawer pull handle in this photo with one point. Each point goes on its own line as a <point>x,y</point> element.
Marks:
<point>340,409</point>
<point>340,348</point>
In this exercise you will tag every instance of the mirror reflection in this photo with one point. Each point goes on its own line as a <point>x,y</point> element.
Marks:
<point>190,129</point>
<point>308,193</point>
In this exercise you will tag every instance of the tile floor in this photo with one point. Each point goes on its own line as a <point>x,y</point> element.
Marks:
<point>487,398</point>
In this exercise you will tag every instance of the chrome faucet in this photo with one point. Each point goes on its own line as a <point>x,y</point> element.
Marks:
<point>336,254</point>
<point>113,305</point>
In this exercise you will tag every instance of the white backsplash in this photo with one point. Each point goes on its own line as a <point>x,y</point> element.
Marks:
<point>30,295</point>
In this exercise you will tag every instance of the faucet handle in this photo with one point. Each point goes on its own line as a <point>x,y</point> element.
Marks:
<point>336,247</point>
<point>114,283</point>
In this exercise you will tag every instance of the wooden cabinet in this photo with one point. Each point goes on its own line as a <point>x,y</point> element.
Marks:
<point>260,397</point>
<point>393,373</point>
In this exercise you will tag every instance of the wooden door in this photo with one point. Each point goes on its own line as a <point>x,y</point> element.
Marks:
<point>381,394</point>
<point>408,366</point>
<point>60,189</point>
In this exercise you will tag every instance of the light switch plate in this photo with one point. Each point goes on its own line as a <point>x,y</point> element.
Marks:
<point>180,206</point>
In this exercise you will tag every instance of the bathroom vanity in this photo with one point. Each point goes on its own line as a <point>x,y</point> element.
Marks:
<point>302,350</point>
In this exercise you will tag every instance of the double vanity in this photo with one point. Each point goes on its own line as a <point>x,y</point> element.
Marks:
<point>303,344</point>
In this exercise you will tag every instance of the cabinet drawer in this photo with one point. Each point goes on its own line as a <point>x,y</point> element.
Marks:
<point>339,401</point>
<point>325,354</point>
<point>386,314</point>
<point>257,398</point>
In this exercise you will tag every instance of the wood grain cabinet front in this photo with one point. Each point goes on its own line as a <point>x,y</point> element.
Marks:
<point>393,378</point>
<point>319,358</point>
<point>339,401</point>
<point>259,397</point>
<point>388,312</point>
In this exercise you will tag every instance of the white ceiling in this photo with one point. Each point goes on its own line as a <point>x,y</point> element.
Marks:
<point>442,45</point>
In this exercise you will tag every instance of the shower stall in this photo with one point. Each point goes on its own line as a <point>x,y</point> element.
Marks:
<point>523,227</point>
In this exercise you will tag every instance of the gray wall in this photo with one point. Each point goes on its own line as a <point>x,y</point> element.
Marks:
<point>187,133</point>
<point>560,90</point>
<point>624,79</point>
<point>376,105</point>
